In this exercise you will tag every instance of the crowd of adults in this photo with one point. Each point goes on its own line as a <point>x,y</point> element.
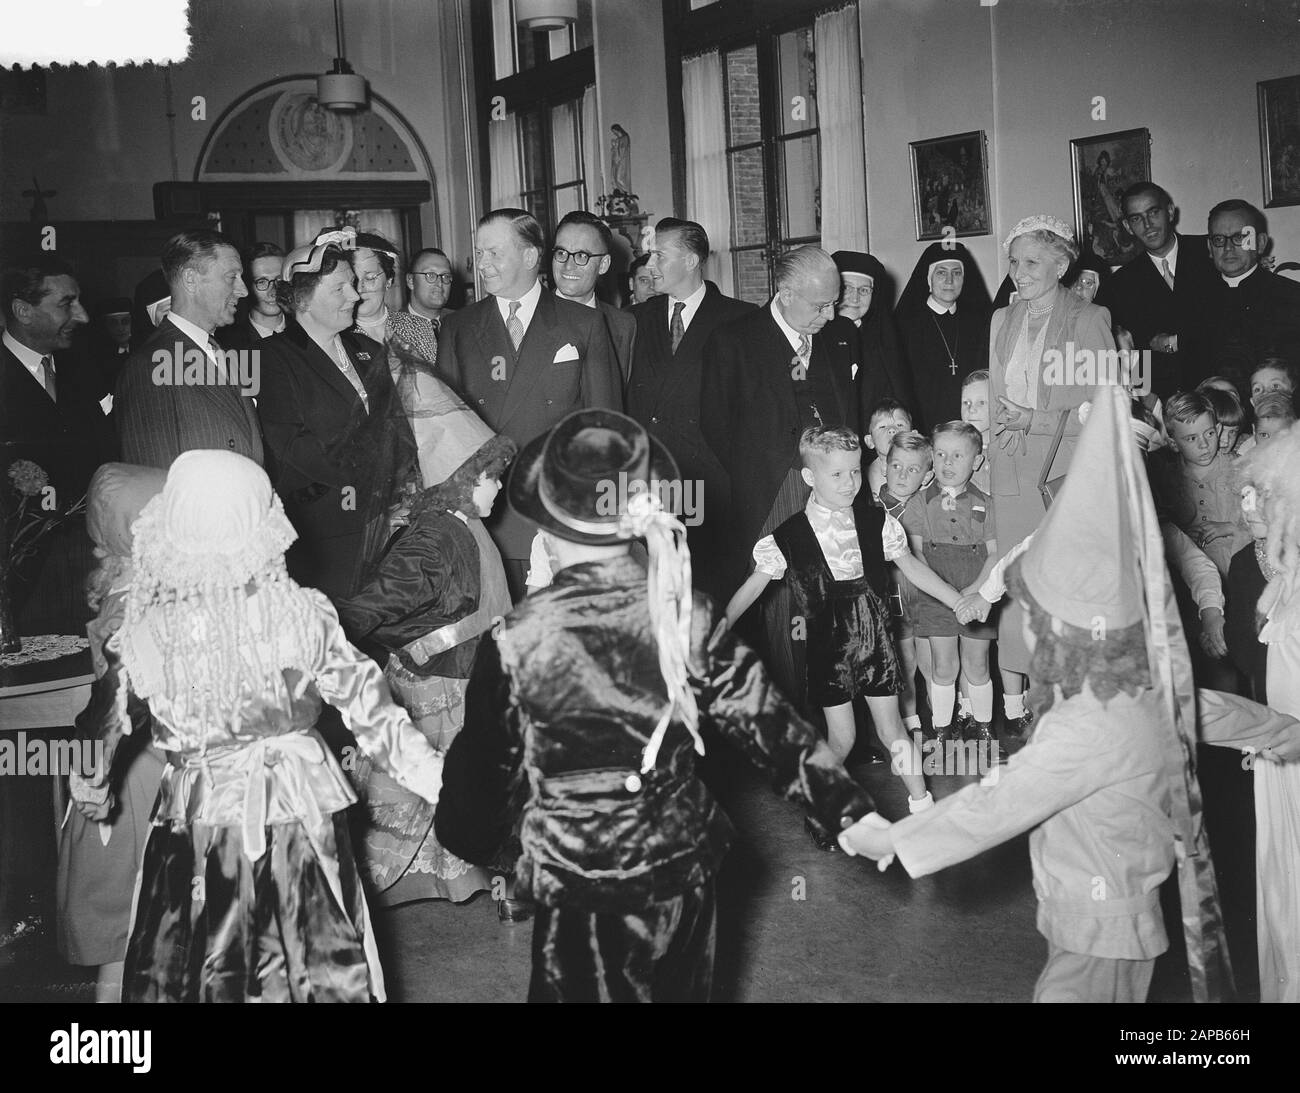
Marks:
<point>338,411</point>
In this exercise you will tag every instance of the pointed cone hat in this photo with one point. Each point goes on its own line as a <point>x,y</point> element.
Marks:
<point>1082,566</point>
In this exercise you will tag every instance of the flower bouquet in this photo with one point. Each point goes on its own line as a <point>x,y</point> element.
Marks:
<point>23,526</point>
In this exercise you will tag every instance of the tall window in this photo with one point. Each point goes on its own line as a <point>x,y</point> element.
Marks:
<point>542,78</point>
<point>773,156</point>
<point>554,171</point>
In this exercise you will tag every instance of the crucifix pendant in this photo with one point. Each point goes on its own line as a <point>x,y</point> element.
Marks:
<point>952,365</point>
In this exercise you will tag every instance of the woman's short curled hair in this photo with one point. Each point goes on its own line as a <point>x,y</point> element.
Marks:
<point>295,293</point>
<point>385,251</point>
<point>1060,247</point>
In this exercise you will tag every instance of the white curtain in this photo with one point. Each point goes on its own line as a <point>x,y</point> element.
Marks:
<point>839,113</point>
<point>309,223</point>
<point>708,201</point>
<point>504,162</point>
<point>592,144</point>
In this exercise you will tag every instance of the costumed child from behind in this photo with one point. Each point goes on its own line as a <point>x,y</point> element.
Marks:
<point>248,890</point>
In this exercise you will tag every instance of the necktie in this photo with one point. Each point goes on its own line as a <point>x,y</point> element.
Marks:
<point>216,354</point>
<point>514,327</point>
<point>47,377</point>
<point>677,329</point>
<point>1167,272</point>
<point>804,351</point>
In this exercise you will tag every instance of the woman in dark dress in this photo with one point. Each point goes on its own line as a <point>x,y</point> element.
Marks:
<point>943,328</point>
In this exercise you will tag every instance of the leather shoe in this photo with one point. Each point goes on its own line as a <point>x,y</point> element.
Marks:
<point>514,910</point>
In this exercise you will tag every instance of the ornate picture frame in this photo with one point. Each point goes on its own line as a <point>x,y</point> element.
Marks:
<point>950,186</point>
<point>1103,167</point>
<point>1279,140</point>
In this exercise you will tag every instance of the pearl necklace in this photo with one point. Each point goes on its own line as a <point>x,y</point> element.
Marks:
<point>1038,312</point>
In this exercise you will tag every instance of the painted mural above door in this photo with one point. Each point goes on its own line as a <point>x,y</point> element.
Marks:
<point>281,132</point>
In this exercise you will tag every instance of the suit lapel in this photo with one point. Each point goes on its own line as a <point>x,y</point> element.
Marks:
<point>532,358</point>
<point>660,375</point>
<point>323,365</point>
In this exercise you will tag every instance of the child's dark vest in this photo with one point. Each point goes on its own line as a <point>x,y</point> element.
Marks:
<point>841,627</point>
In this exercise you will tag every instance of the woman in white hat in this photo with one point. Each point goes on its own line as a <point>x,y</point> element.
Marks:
<point>248,890</point>
<point>1033,401</point>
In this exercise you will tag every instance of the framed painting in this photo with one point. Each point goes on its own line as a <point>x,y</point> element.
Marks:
<point>950,186</point>
<point>1103,167</point>
<point>1279,140</point>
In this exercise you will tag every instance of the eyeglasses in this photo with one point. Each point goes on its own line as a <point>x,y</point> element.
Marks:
<point>1238,239</point>
<point>369,280</point>
<point>1151,216</point>
<point>430,277</point>
<point>580,257</point>
<point>263,283</point>
<point>853,292</point>
<point>829,306</point>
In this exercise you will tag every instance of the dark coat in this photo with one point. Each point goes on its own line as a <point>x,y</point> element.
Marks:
<point>524,394</point>
<point>336,468</point>
<point>156,422</point>
<point>1141,303</point>
<point>664,396</point>
<point>560,706</point>
<point>1243,325</point>
<point>622,336</point>
<point>67,439</point>
<point>748,409</point>
<point>241,335</point>
<point>938,388</point>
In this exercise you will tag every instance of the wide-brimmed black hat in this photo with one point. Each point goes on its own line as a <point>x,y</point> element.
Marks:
<point>575,480</point>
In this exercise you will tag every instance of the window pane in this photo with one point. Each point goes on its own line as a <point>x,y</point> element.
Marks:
<point>530,128</point>
<point>798,80</point>
<point>800,184</point>
<point>748,197</point>
<point>750,269</point>
<point>568,199</point>
<point>503,38</point>
<point>744,118</point>
<point>532,47</point>
<point>582,37</point>
<point>565,143</point>
<point>536,203</point>
<point>559,43</point>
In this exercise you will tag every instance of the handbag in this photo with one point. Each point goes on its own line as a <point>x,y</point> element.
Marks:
<point>1049,489</point>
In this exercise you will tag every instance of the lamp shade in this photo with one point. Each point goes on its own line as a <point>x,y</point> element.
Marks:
<point>341,91</point>
<point>546,14</point>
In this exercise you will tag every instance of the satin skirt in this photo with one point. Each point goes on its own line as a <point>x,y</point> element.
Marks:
<point>212,926</point>
<point>661,954</point>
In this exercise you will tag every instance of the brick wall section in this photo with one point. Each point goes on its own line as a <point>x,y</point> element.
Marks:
<point>748,192</point>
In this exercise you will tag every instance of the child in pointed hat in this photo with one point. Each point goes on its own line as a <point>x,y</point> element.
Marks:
<point>583,719</point>
<point>248,890</point>
<point>438,588</point>
<point>1105,785</point>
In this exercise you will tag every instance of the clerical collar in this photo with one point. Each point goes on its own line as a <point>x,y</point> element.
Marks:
<point>938,308</point>
<point>1235,282</point>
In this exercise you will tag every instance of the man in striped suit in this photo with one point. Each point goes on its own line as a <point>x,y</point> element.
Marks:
<point>178,391</point>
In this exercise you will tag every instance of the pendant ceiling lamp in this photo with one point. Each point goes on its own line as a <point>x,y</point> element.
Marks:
<point>546,14</point>
<point>341,88</point>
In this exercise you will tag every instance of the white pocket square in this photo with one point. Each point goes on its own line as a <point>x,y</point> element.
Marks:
<point>567,352</point>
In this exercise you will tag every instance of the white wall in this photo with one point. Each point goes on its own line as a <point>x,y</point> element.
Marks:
<point>1027,70</point>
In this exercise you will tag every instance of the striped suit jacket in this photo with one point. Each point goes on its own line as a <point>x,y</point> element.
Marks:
<point>157,421</point>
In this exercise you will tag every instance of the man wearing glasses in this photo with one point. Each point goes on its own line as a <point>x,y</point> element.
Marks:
<point>1252,313</point>
<point>768,376</point>
<point>1156,297</point>
<point>583,252</point>
<point>429,282</point>
<point>264,317</point>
